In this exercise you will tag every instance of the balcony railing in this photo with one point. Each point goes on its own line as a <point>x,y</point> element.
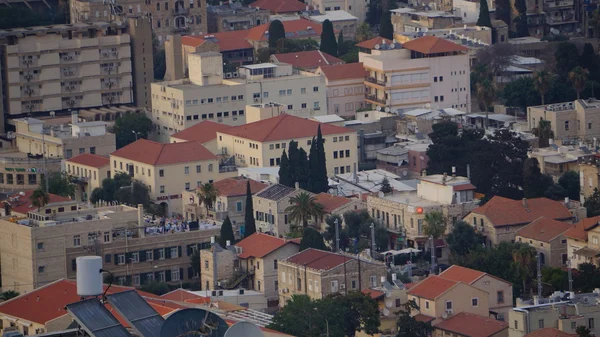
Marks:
<point>181,11</point>
<point>376,81</point>
<point>181,29</point>
<point>375,99</point>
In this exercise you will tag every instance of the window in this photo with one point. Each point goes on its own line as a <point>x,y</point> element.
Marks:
<point>162,189</point>
<point>135,257</point>
<point>441,78</point>
<point>303,90</point>
<point>69,153</point>
<point>258,285</point>
<point>435,78</point>
<point>448,305</point>
<point>303,105</point>
<point>566,125</point>
<point>373,281</point>
<point>93,149</point>
<point>175,274</point>
<point>81,150</point>
<point>210,167</point>
<point>161,254</point>
<point>77,240</point>
<point>589,126</point>
<point>283,277</point>
<point>40,246</point>
<point>591,323</point>
<point>500,296</point>
<point>186,170</point>
<point>290,107</point>
<point>161,173</point>
<point>353,284</point>
<point>347,153</point>
<point>281,92</point>
<point>136,277</point>
<point>275,264</point>
<point>573,325</point>
<point>540,324</point>
<point>475,302</point>
<point>41,269</point>
<point>174,251</point>
<point>289,92</point>
<point>238,206</point>
<point>257,265</point>
<point>516,324</point>
<point>315,89</point>
<point>426,304</point>
<point>149,255</point>
<point>121,259</point>
<point>187,186</point>
<point>334,286</point>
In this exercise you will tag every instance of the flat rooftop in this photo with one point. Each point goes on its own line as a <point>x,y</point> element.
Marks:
<point>60,28</point>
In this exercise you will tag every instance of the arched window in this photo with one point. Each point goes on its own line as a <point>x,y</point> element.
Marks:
<point>198,19</point>
<point>166,22</point>
<point>157,23</point>
<point>158,6</point>
<point>166,6</point>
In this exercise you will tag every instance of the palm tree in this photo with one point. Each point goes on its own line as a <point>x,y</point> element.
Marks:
<point>435,225</point>
<point>542,80</point>
<point>524,258</point>
<point>39,198</point>
<point>302,207</point>
<point>544,133</point>
<point>363,32</point>
<point>208,194</point>
<point>578,76</point>
<point>485,94</point>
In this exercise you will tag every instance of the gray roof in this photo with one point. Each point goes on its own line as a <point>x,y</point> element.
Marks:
<point>275,192</point>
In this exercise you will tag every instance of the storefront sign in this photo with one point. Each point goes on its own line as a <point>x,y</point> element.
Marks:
<point>167,197</point>
<point>19,169</point>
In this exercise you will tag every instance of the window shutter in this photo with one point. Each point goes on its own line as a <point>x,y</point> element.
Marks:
<point>107,258</point>
<point>156,276</point>
<point>128,280</point>
<point>168,275</point>
<point>142,255</point>
<point>179,250</point>
<point>181,274</point>
<point>73,264</point>
<point>190,273</point>
<point>142,278</point>
<point>116,256</point>
<point>168,253</point>
<point>128,257</point>
<point>155,255</point>
<point>189,250</point>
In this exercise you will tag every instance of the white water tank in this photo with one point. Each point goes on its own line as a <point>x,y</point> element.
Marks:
<point>89,277</point>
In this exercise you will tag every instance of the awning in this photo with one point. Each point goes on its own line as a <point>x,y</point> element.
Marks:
<point>587,252</point>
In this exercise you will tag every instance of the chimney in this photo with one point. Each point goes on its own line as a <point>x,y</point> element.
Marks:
<point>524,202</point>
<point>444,178</point>
<point>140,215</point>
<point>74,117</point>
<point>394,276</point>
<point>227,243</point>
<point>297,185</point>
<point>51,132</point>
<point>454,171</point>
<point>424,173</point>
<point>212,240</point>
<point>567,201</point>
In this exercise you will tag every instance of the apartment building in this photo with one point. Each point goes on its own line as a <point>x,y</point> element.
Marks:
<point>500,218</point>
<point>270,209</point>
<point>404,212</point>
<point>43,248</point>
<point>556,161</point>
<point>317,274</point>
<point>306,60</point>
<point>583,245</point>
<point>180,17</point>
<point>468,10</point>
<point>577,120</point>
<point>234,16</point>
<point>261,144</point>
<point>356,8</point>
<point>426,70</point>
<point>345,88</point>
<point>20,204</point>
<point>211,95</point>
<point>413,20</point>
<point>88,171</point>
<point>470,325</point>
<point>252,263</point>
<point>167,169</point>
<point>500,292</point>
<point>64,67</point>
<point>547,237</point>
<point>37,138</point>
<point>589,175</point>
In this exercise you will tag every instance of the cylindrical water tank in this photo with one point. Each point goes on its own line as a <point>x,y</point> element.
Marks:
<point>89,277</point>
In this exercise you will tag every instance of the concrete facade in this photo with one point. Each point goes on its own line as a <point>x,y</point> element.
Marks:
<point>344,96</point>
<point>230,17</point>
<point>270,211</point>
<point>554,252</point>
<point>575,121</point>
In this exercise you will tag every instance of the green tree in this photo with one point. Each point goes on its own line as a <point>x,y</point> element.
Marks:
<point>521,24</point>
<point>195,261</point>
<point>435,224</point>
<point>589,60</point>
<point>358,223</point>
<point>312,239</point>
<point>408,326</point>
<point>556,277</point>
<point>226,233</point>
<point>578,77</point>
<point>592,204</point>
<point>59,183</point>
<point>385,186</point>
<point>303,207</point>
<point>503,11</point>
<point>130,127</point>
<point>566,56</point>
<point>570,182</point>
<point>299,317</point>
<point>318,181</point>
<point>387,29</point>
<point>155,287</point>
<point>485,94</point>
<point>276,33</point>
<point>329,233</point>
<point>542,80</point>
<point>39,198</point>
<point>535,184</point>
<point>521,93</point>
<point>463,239</point>
<point>249,221</point>
<point>360,313</point>
<point>544,133</point>
<point>524,258</point>
<point>328,43</point>
<point>285,170</point>
<point>583,331</point>
<point>160,64</point>
<point>342,47</point>
<point>363,32</point>
<point>7,295</point>
<point>484,15</point>
<point>208,194</point>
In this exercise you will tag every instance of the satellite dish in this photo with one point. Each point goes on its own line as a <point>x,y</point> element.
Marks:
<point>377,46</point>
<point>404,173</point>
<point>388,303</point>
<point>388,294</point>
<point>392,46</point>
<point>194,323</point>
<point>444,315</point>
<point>245,329</point>
<point>386,312</point>
<point>378,108</point>
<point>52,113</point>
<point>387,109</point>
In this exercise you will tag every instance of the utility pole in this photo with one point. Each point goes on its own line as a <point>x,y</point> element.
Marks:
<point>337,235</point>
<point>432,247</point>
<point>539,276</point>
<point>570,272</point>
<point>373,240</point>
<point>44,160</point>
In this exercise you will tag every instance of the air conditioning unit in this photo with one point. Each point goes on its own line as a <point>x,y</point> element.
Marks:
<point>342,286</point>
<point>281,291</point>
<point>257,100</point>
<point>449,312</point>
<point>71,102</point>
<point>220,292</point>
<point>235,74</point>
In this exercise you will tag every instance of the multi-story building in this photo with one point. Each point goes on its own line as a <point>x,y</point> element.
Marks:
<point>356,8</point>
<point>570,121</point>
<point>317,273</point>
<point>89,170</point>
<point>413,20</point>
<point>500,218</point>
<point>468,10</point>
<point>589,174</point>
<point>306,60</point>
<point>180,17</point>
<point>556,161</point>
<point>252,262</point>
<point>583,245</point>
<point>345,88</point>
<point>428,70</point>
<point>45,249</point>
<point>20,204</point>
<point>204,133</point>
<point>341,20</point>
<point>34,137</point>
<point>234,16</point>
<point>211,95</point>
<point>404,212</point>
<point>337,205</point>
<point>167,169</point>
<point>261,144</point>
<point>546,236</point>
<point>64,67</point>
<point>270,209</point>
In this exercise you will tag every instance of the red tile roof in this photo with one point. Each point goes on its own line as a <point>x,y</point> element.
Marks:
<point>544,229</point>
<point>292,27</point>
<point>227,41</point>
<point>154,153</point>
<point>22,204</point>
<point>182,295</point>
<point>344,72</point>
<point>370,44</point>
<point>471,325</point>
<point>202,132</point>
<point>307,59</point>
<point>91,160</point>
<point>464,187</point>
<point>279,6</point>
<point>505,212</point>
<point>578,231</point>
<point>283,127</point>
<point>236,186</point>
<point>318,259</point>
<point>260,245</point>
<point>331,202</point>
<point>432,287</point>
<point>423,318</point>
<point>433,45</point>
<point>549,332</point>
<point>373,293</point>
<point>462,274</point>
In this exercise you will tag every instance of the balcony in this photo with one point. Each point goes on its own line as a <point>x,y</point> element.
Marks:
<point>558,3</point>
<point>181,29</point>
<point>375,99</point>
<point>71,104</point>
<point>375,81</point>
<point>29,63</point>
<point>68,59</point>
<point>69,74</point>
<point>69,89</point>
<point>181,11</point>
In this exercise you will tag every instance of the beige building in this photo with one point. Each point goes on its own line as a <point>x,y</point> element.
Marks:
<point>22,171</point>
<point>355,8</point>
<point>89,170</point>
<point>390,297</point>
<point>589,175</point>
<point>404,211</point>
<point>547,237</point>
<point>337,205</point>
<point>64,67</point>
<point>18,205</point>
<point>500,292</point>
<point>500,218</point>
<point>427,70</point>
<point>234,16</point>
<point>557,161</point>
<point>270,209</point>
<point>179,17</point>
<point>210,95</point>
<point>35,137</point>
<point>167,169</point>
<point>261,144</point>
<point>341,20</point>
<point>204,133</point>
<point>583,242</point>
<point>345,88</point>
<point>577,120</point>
<point>43,248</point>
<point>470,325</point>
<point>414,20</point>
<point>252,263</point>
<point>318,273</point>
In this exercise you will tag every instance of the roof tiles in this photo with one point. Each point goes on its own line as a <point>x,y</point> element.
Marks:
<point>331,202</point>
<point>154,153</point>
<point>370,44</point>
<point>318,259</point>
<point>307,59</point>
<point>236,186</point>
<point>22,204</point>
<point>91,160</point>
<point>549,332</point>
<point>260,245</point>
<point>202,132</point>
<point>544,229</point>
<point>462,274</point>
<point>578,231</point>
<point>471,325</point>
<point>433,45</point>
<point>506,212</point>
<point>432,287</point>
<point>344,72</point>
<point>301,28</point>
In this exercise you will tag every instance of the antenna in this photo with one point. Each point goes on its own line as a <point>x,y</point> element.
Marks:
<point>539,276</point>
<point>570,272</point>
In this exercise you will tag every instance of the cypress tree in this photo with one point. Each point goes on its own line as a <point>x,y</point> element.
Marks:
<point>285,171</point>
<point>521,20</point>
<point>484,15</point>
<point>226,233</point>
<point>294,158</point>
<point>342,47</point>
<point>328,43</point>
<point>276,32</point>
<point>387,29</point>
<point>312,239</point>
<point>302,168</point>
<point>321,182</point>
<point>249,221</point>
<point>313,160</point>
